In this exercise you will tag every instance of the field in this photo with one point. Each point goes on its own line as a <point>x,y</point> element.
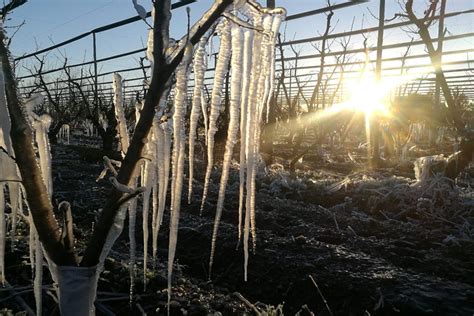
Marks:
<point>367,243</point>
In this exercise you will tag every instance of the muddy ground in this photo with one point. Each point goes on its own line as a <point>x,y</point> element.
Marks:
<point>365,242</point>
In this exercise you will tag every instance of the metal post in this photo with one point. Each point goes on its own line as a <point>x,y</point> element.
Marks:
<point>437,96</point>
<point>94,51</point>
<point>271,4</point>
<point>375,127</point>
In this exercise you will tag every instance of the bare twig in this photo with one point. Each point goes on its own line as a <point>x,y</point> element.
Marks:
<point>321,294</point>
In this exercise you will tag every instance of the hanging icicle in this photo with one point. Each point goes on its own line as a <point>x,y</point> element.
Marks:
<point>200,65</point>
<point>2,235</point>
<point>40,126</point>
<point>216,99</point>
<point>148,180</point>
<point>277,20</point>
<point>259,86</point>
<point>163,156</point>
<point>8,173</point>
<point>178,156</point>
<point>234,110</point>
<point>250,141</point>
<point>247,61</point>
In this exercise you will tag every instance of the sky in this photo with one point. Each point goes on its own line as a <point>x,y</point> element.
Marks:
<point>51,21</point>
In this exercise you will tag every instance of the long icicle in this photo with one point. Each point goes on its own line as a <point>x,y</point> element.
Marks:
<point>205,116</point>
<point>247,62</point>
<point>216,98</point>
<point>162,145</point>
<point>2,234</point>
<point>164,151</point>
<point>132,216</point>
<point>234,111</point>
<point>250,143</point>
<point>38,282</point>
<point>156,132</point>
<point>149,178</point>
<point>41,127</point>
<point>7,166</point>
<point>117,227</point>
<point>132,205</point>
<point>200,65</point>
<point>260,91</point>
<point>158,200</point>
<point>178,157</point>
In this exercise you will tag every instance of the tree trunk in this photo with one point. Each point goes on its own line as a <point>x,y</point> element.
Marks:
<point>53,132</point>
<point>108,140</point>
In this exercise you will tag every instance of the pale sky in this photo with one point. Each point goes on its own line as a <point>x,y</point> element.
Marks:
<point>51,21</point>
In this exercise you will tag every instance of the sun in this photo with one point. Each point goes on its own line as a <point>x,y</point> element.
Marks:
<point>369,96</point>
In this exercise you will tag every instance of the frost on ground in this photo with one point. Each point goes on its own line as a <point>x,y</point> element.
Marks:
<point>342,225</point>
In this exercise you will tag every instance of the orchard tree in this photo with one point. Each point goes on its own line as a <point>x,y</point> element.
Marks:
<point>458,161</point>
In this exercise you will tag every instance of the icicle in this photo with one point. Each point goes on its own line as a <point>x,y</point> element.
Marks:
<point>41,125</point>
<point>148,180</point>
<point>132,205</point>
<point>32,243</point>
<point>277,20</point>
<point>120,114</point>
<point>257,99</point>
<point>247,61</point>
<point>219,76</point>
<point>200,65</point>
<point>64,134</point>
<point>162,143</point>
<point>2,234</point>
<point>38,283</point>
<point>178,157</point>
<point>163,155</point>
<point>235,102</point>
<point>8,169</point>
<point>132,216</point>
<point>250,134</point>
<point>132,221</point>
<point>205,116</point>
<point>14,189</point>
<point>41,132</point>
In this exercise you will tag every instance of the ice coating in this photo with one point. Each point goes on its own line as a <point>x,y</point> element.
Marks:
<point>247,61</point>
<point>200,65</point>
<point>8,171</point>
<point>147,181</point>
<point>178,156</point>
<point>2,234</point>
<point>120,114</point>
<point>216,100</point>
<point>237,43</point>
<point>164,155</point>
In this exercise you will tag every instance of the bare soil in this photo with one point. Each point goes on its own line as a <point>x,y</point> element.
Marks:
<point>366,238</point>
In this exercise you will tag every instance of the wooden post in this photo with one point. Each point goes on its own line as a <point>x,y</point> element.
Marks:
<point>374,123</point>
